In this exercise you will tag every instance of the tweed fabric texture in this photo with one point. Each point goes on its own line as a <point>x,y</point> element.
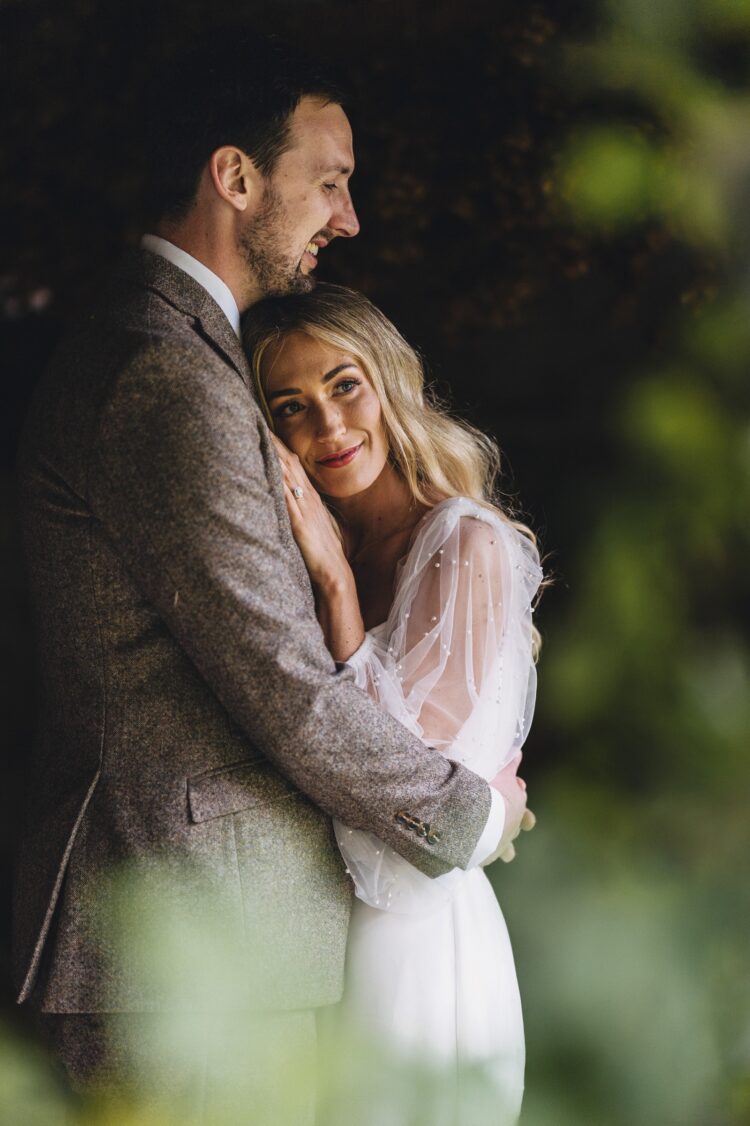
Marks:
<point>192,719</point>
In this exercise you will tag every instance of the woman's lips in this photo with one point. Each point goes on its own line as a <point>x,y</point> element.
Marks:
<point>343,457</point>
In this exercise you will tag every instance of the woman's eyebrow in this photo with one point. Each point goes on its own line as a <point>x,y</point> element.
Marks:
<point>296,390</point>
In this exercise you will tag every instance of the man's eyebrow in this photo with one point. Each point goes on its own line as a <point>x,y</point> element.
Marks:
<point>326,379</point>
<point>338,170</point>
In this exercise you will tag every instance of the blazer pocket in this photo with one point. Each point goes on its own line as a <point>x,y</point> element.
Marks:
<point>230,789</point>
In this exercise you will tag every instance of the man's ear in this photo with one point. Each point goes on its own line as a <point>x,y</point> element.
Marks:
<point>234,177</point>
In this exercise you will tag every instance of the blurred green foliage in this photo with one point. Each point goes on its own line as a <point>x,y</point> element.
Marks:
<point>631,904</point>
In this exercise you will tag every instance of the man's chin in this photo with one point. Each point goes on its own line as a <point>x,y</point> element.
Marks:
<point>300,283</point>
<point>305,282</point>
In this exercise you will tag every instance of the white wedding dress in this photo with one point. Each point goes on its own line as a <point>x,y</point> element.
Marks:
<point>429,964</point>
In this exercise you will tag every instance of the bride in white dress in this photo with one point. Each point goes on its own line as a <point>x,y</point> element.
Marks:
<point>425,590</point>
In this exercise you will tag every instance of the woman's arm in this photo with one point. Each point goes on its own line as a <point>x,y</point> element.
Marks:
<point>339,615</point>
<point>330,574</point>
<point>452,665</point>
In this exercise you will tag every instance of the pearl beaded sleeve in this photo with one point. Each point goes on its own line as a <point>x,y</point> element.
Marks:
<point>453,663</point>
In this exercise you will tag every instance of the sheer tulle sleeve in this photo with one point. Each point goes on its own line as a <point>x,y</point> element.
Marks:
<point>453,663</point>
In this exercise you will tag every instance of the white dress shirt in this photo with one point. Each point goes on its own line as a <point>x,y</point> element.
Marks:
<point>492,832</point>
<point>210,281</point>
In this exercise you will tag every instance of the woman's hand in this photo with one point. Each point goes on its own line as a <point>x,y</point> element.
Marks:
<point>330,574</point>
<point>311,523</point>
<point>517,815</point>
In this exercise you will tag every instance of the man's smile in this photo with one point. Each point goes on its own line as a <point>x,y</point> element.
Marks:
<point>314,246</point>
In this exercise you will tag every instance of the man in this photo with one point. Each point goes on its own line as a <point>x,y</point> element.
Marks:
<point>191,715</point>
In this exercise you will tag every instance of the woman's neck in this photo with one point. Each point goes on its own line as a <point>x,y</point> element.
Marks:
<point>381,510</point>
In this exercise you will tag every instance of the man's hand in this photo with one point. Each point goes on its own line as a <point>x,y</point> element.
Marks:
<point>517,817</point>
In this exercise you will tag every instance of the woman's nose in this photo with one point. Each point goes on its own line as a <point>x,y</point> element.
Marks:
<point>328,421</point>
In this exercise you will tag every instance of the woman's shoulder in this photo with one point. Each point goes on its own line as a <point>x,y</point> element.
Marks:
<point>472,529</point>
<point>455,540</point>
<point>474,520</point>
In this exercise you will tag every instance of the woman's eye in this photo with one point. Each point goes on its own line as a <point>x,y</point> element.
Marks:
<point>347,385</point>
<point>330,187</point>
<point>288,409</point>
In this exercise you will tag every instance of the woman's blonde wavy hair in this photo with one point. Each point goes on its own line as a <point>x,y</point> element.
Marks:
<point>437,455</point>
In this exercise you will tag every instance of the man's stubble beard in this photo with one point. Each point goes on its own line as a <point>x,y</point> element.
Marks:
<point>261,245</point>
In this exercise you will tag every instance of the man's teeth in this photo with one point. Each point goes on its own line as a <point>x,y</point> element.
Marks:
<point>312,248</point>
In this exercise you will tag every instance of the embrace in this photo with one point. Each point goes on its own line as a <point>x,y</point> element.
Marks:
<point>284,633</point>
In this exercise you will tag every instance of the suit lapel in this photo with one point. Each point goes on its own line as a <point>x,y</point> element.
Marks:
<point>190,298</point>
<point>187,295</point>
<point>217,330</point>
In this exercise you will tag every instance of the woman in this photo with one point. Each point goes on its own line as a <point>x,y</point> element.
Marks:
<point>425,589</point>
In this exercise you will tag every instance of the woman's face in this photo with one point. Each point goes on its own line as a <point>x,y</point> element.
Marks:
<point>327,412</point>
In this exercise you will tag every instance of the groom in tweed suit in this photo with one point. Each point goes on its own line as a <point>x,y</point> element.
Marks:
<point>191,714</point>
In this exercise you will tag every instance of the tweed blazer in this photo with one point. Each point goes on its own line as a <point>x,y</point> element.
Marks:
<point>191,716</point>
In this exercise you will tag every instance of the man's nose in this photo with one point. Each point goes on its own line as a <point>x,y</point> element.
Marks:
<point>344,220</point>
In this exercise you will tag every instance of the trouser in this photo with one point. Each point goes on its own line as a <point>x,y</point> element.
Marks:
<point>157,1060</point>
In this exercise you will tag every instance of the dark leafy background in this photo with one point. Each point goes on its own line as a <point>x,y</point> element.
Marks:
<point>550,198</point>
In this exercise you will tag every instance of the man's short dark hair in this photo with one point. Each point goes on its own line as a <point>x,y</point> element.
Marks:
<point>239,93</point>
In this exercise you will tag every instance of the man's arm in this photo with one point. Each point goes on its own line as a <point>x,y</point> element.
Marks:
<point>178,479</point>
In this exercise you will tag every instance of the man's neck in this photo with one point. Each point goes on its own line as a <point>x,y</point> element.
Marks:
<point>205,277</point>
<point>207,246</point>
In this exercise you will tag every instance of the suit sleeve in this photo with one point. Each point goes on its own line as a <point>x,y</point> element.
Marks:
<point>177,478</point>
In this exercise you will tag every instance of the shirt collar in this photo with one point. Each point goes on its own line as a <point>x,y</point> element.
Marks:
<point>210,281</point>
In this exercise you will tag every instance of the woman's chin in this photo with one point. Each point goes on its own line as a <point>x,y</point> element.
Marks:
<point>341,490</point>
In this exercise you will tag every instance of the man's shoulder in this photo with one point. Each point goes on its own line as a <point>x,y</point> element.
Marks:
<point>129,326</point>
<point>124,306</point>
<point>128,342</point>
